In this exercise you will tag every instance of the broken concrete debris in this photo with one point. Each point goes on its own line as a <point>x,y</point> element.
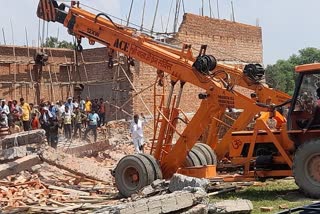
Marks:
<point>18,165</point>
<point>23,138</point>
<point>167,203</point>
<point>231,206</point>
<point>15,152</point>
<point>81,166</point>
<point>157,187</point>
<point>179,182</point>
<point>36,178</point>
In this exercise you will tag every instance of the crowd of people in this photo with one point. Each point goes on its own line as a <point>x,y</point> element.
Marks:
<point>72,116</point>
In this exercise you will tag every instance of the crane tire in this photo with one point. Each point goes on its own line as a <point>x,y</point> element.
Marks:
<point>149,167</point>
<point>132,173</point>
<point>155,165</point>
<point>205,152</point>
<point>210,150</point>
<point>200,156</point>
<point>306,164</point>
<point>187,162</point>
<point>191,160</point>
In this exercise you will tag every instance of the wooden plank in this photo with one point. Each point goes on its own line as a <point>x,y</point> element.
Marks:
<point>64,209</point>
<point>37,208</point>
<point>72,191</point>
<point>57,203</point>
<point>19,165</point>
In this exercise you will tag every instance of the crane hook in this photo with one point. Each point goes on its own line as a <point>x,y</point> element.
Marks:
<point>79,47</point>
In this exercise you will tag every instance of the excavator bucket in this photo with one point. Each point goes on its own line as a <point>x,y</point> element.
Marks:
<point>47,10</point>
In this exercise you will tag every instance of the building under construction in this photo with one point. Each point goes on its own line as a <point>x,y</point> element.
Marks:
<point>126,89</point>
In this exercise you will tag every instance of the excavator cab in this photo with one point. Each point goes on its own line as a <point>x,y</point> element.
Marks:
<point>303,128</point>
<point>304,114</point>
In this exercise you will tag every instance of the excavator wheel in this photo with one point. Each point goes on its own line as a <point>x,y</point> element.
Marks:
<point>132,173</point>
<point>191,160</point>
<point>155,165</point>
<point>306,168</point>
<point>211,152</point>
<point>205,152</point>
<point>200,156</point>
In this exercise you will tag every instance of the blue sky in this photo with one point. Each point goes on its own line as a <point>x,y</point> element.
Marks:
<point>287,25</point>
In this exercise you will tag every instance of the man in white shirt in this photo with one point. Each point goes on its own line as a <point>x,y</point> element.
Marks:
<point>5,110</point>
<point>136,132</point>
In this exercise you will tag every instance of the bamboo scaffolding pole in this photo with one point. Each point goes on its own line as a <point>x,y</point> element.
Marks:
<point>52,93</point>
<point>28,66</point>
<point>136,94</point>
<point>85,71</point>
<point>134,88</point>
<point>14,65</point>
<point>69,77</point>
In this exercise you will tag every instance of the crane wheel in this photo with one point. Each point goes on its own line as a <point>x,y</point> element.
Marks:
<point>306,168</point>
<point>155,165</point>
<point>205,152</point>
<point>133,172</point>
<point>200,156</point>
<point>149,167</point>
<point>206,148</point>
<point>191,160</point>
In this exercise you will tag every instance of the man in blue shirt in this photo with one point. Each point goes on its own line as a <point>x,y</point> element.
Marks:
<point>70,104</point>
<point>93,119</point>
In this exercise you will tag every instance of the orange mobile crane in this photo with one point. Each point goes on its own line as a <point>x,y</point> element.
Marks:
<point>290,148</point>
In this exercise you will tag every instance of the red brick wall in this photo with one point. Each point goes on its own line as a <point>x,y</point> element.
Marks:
<point>20,72</point>
<point>93,72</point>
<point>226,40</point>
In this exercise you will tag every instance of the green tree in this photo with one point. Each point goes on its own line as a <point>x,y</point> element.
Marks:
<point>53,42</point>
<point>282,76</point>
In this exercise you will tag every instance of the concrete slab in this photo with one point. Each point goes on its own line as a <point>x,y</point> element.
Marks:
<point>23,138</point>
<point>18,165</point>
<point>179,182</point>
<point>234,206</point>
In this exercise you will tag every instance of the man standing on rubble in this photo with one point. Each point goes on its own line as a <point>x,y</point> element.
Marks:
<point>136,132</point>
<point>26,110</point>
<point>93,119</point>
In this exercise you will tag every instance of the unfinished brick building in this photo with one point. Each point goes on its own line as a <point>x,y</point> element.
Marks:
<point>127,91</point>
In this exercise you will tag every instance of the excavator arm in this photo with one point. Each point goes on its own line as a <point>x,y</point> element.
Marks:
<point>251,77</point>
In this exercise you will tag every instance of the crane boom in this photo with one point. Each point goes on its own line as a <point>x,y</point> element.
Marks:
<point>291,149</point>
<point>202,71</point>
